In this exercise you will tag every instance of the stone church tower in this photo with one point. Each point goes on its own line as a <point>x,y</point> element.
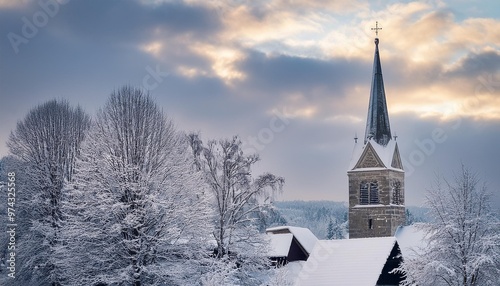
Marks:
<point>376,175</point>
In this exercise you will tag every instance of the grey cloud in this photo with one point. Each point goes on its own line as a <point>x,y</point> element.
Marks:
<point>429,148</point>
<point>114,22</point>
<point>474,64</point>
<point>130,20</point>
<point>289,73</point>
<point>90,48</point>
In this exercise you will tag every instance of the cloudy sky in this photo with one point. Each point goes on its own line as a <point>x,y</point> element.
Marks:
<point>292,78</point>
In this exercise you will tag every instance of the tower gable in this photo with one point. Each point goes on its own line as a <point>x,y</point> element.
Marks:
<point>396,159</point>
<point>369,158</point>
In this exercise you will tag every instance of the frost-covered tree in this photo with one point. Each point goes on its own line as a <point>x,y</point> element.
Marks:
<point>281,276</point>
<point>43,146</point>
<point>269,216</point>
<point>336,229</point>
<point>410,219</point>
<point>137,212</point>
<point>237,198</point>
<point>314,215</point>
<point>463,239</point>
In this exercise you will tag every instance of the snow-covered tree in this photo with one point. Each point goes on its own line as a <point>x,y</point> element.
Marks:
<point>281,276</point>
<point>336,229</point>
<point>462,244</point>
<point>269,216</point>
<point>410,219</point>
<point>237,197</point>
<point>43,146</point>
<point>314,215</point>
<point>137,212</point>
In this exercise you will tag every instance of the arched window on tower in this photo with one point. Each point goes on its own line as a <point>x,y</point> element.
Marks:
<point>368,193</point>
<point>374,193</point>
<point>397,196</point>
<point>363,194</point>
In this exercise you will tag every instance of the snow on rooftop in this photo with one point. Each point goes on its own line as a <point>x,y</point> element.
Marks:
<point>410,239</point>
<point>303,235</point>
<point>356,262</point>
<point>279,244</point>
<point>385,154</point>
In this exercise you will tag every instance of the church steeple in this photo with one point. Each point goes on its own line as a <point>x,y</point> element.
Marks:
<point>377,123</point>
<point>376,174</point>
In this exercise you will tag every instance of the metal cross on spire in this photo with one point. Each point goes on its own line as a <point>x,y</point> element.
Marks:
<point>376,28</point>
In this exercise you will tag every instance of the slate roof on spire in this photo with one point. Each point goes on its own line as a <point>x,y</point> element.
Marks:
<point>377,123</point>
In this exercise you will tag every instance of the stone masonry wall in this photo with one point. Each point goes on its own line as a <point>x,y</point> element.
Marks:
<point>385,218</point>
<point>385,221</point>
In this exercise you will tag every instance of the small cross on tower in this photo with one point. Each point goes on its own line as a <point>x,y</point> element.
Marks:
<point>376,28</point>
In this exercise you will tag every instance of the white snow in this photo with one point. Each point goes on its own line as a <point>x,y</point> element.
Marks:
<point>279,244</point>
<point>356,262</point>
<point>285,275</point>
<point>303,235</point>
<point>293,269</point>
<point>370,206</point>
<point>384,153</point>
<point>410,239</point>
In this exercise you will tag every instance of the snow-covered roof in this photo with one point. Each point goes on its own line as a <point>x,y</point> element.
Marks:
<point>410,239</point>
<point>303,235</point>
<point>356,262</point>
<point>279,244</point>
<point>384,153</point>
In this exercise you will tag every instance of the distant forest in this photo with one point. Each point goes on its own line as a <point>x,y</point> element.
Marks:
<point>326,219</point>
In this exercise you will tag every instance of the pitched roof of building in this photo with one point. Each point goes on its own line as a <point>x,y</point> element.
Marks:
<point>346,262</point>
<point>411,240</point>
<point>279,244</point>
<point>303,235</point>
<point>377,123</point>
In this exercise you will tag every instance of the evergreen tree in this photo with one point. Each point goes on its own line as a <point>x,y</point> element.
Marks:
<point>410,219</point>
<point>330,232</point>
<point>335,229</point>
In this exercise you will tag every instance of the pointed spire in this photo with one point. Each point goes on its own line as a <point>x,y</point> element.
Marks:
<point>377,123</point>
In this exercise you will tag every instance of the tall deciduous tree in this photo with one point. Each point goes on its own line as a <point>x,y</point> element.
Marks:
<point>137,211</point>
<point>238,195</point>
<point>463,241</point>
<point>45,144</point>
